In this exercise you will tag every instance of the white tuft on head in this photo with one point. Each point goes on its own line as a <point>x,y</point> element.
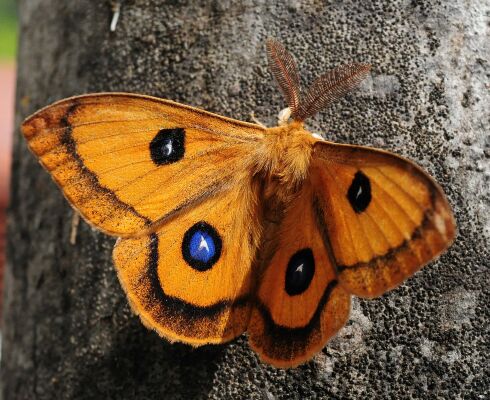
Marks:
<point>284,116</point>
<point>317,136</point>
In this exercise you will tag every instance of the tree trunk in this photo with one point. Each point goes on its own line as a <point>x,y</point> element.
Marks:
<point>68,331</point>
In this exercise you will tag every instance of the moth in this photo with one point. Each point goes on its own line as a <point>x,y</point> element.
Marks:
<point>227,227</point>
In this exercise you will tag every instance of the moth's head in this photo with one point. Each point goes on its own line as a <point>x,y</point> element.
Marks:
<point>284,116</point>
<point>292,126</point>
<point>326,89</point>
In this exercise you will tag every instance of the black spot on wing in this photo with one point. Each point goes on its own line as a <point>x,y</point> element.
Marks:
<point>359,193</point>
<point>300,271</point>
<point>168,146</point>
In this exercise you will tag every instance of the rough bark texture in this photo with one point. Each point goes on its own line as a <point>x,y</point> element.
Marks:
<point>68,331</point>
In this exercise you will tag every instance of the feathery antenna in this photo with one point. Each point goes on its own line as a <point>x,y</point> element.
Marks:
<point>325,90</point>
<point>329,88</point>
<point>284,69</point>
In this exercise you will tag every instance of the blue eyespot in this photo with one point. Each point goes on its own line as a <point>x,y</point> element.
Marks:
<point>201,246</point>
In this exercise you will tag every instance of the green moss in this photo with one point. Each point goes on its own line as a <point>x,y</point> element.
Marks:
<point>8,34</point>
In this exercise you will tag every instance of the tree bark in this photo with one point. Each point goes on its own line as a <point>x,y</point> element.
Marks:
<point>68,331</point>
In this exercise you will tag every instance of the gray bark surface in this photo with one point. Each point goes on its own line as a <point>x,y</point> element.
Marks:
<point>68,332</point>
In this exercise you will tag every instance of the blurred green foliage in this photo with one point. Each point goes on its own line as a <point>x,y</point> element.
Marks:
<point>8,29</point>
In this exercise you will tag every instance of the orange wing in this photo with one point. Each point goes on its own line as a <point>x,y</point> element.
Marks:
<point>190,280</point>
<point>299,303</point>
<point>385,217</point>
<point>129,162</point>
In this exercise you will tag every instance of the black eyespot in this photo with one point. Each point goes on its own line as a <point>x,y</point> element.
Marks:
<point>168,146</point>
<point>201,246</point>
<point>300,271</point>
<point>359,193</point>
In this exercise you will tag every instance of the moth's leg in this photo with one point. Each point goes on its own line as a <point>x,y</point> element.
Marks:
<point>254,119</point>
<point>75,220</point>
<point>116,12</point>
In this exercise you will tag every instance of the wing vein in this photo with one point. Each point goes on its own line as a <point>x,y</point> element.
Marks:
<point>342,213</point>
<point>401,188</point>
<point>400,208</point>
<point>193,157</point>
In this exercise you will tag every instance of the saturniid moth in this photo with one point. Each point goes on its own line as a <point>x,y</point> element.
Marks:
<point>227,227</point>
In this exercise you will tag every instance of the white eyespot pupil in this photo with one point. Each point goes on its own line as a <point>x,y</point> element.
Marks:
<point>299,269</point>
<point>203,244</point>
<point>168,148</point>
<point>359,192</point>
